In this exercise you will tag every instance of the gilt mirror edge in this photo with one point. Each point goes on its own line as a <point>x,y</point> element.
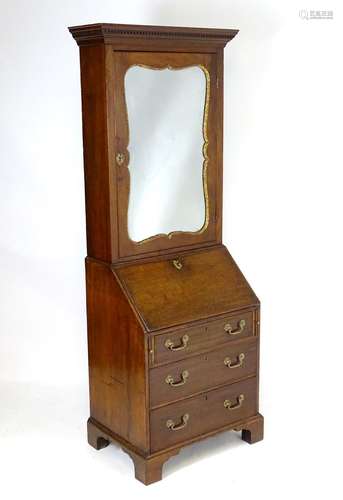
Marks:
<point>203,146</point>
<point>209,233</point>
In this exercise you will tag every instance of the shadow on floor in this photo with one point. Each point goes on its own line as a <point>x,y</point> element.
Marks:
<point>198,451</point>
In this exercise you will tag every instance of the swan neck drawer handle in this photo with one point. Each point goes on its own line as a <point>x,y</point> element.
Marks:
<point>169,344</point>
<point>238,364</point>
<point>177,264</point>
<point>176,427</point>
<point>232,406</point>
<point>230,331</point>
<point>184,377</point>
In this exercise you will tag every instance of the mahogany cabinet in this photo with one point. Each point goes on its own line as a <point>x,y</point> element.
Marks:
<point>173,325</point>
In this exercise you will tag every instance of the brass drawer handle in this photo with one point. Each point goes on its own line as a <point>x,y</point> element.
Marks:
<point>184,377</point>
<point>230,331</point>
<point>231,406</point>
<point>177,264</point>
<point>170,344</point>
<point>240,359</point>
<point>176,427</point>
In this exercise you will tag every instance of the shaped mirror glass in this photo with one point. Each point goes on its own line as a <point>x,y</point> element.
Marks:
<point>167,117</point>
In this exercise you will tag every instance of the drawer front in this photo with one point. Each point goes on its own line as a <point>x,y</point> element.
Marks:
<point>177,345</point>
<point>199,373</point>
<point>178,422</point>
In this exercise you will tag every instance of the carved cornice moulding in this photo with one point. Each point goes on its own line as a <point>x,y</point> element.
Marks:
<point>109,33</point>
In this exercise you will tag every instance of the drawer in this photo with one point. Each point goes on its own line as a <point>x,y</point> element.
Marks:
<point>200,373</point>
<point>178,422</point>
<point>172,346</point>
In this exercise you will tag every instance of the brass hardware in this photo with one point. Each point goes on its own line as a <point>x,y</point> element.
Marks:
<point>230,331</point>
<point>120,158</point>
<point>178,264</point>
<point>176,427</point>
<point>170,345</point>
<point>151,345</point>
<point>240,359</point>
<point>184,377</point>
<point>231,406</point>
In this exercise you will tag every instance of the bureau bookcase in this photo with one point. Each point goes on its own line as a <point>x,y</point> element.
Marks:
<point>173,325</point>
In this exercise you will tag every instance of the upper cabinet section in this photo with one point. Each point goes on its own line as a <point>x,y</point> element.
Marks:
<point>152,128</point>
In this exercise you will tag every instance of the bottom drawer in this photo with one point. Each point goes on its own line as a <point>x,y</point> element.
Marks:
<point>195,416</point>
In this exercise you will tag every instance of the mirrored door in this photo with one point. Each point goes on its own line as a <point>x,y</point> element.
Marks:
<point>166,156</point>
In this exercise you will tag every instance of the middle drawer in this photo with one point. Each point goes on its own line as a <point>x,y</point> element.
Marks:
<point>195,374</point>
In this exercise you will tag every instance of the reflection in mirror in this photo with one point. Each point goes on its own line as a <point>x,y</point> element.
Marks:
<point>167,145</point>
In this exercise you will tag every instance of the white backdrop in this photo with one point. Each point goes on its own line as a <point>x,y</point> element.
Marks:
<point>282,223</point>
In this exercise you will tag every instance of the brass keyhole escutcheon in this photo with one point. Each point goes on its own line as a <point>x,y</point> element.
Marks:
<point>120,158</point>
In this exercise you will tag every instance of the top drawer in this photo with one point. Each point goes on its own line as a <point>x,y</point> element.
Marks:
<point>172,346</point>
